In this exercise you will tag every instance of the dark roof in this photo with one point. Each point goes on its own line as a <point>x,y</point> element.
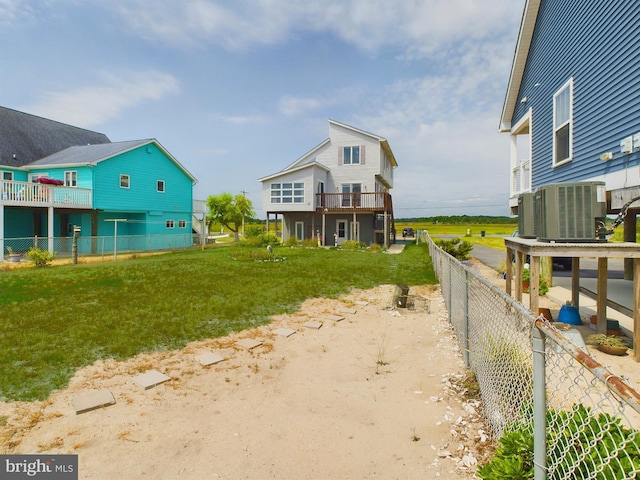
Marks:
<point>25,138</point>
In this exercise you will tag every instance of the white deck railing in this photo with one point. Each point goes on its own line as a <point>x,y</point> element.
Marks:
<point>29,194</point>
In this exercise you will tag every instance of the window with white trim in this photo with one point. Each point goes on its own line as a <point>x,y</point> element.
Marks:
<point>71,178</point>
<point>169,224</point>
<point>160,186</point>
<point>7,175</point>
<point>563,124</point>
<point>124,181</point>
<point>351,155</point>
<point>287,192</point>
<point>182,224</point>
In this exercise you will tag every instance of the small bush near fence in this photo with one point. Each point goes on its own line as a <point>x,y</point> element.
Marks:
<point>41,258</point>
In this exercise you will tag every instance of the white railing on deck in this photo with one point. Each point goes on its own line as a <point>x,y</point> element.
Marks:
<point>26,194</point>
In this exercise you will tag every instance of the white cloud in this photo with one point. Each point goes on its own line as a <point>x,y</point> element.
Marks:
<point>417,27</point>
<point>243,119</point>
<point>90,106</point>
<point>294,106</point>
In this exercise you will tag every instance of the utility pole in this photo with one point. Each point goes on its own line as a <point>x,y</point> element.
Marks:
<point>244,194</point>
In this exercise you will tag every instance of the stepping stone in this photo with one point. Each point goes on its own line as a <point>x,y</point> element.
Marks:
<point>150,379</point>
<point>209,358</point>
<point>334,318</point>
<point>350,311</point>
<point>312,324</point>
<point>92,400</point>
<point>285,332</point>
<point>362,303</point>
<point>248,343</point>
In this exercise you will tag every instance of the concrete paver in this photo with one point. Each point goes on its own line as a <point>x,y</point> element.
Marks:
<point>92,400</point>
<point>150,379</point>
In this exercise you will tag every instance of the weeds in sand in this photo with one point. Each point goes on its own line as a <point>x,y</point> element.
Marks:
<point>381,358</point>
<point>55,443</point>
<point>414,437</point>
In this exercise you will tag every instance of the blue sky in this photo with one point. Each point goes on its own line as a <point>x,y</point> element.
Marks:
<point>237,90</point>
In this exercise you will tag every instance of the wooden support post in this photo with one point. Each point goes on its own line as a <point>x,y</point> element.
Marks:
<point>636,308</point>
<point>509,270</point>
<point>575,282</point>
<point>534,284</point>
<point>601,326</point>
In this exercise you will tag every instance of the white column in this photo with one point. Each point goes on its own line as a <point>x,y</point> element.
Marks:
<point>50,229</point>
<point>1,232</point>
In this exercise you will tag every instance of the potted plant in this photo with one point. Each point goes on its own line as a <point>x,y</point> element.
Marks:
<point>543,286</point>
<point>13,257</point>
<point>610,344</point>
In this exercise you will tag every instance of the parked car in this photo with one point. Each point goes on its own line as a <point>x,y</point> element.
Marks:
<point>407,232</point>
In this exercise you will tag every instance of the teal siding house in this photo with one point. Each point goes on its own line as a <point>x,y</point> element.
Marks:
<point>133,191</point>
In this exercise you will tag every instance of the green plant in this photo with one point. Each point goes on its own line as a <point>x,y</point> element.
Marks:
<point>353,245</point>
<point>375,247</point>
<point>602,339</point>
<point>310,242</point>
<point>587,441</point>
<point>41,258</point>
<point>461,252</point>
<point>543,286</point>
<point>291,242</point>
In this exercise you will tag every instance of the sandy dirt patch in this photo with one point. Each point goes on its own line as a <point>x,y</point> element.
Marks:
<point>376,395</point>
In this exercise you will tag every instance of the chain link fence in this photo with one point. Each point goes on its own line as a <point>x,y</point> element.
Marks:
<point>537,386</point>
<point>15,249</point>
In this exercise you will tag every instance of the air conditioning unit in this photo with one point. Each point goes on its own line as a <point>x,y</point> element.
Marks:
<point>526,215</point>
<point>570,212</point>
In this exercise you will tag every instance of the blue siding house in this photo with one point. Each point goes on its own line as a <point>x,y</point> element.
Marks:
<point>54,177</point>
<point>572,106</point>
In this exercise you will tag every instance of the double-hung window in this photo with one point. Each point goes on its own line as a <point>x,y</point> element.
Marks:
<point>351,155</point>
<point>124,181</point>
<point>71,178</point>
<point>160,186</point>
<point>563,124</point>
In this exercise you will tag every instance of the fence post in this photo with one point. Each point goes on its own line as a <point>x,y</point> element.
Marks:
<point>539,406</point>
<point>465,307</point>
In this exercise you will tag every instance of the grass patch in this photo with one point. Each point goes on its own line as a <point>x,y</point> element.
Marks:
<point>57,320</point>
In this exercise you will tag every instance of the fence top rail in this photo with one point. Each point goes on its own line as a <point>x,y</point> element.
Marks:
<point>614,383</point>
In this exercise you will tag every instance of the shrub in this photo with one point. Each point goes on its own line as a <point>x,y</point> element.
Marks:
<point>253,230</point>
<point>376,247</point>
<point>291,242</point>
<point>461,252</point>
<point>261,240</point>
<point>310,242</point>
<point>41,258</point>
<point>353,245</point>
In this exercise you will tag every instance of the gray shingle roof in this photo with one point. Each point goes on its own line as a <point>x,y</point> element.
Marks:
<point>88,154</point>
<point>25,138</point>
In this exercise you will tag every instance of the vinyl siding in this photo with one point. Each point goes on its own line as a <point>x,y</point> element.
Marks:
<point>145,166</point>
<point>594,43</point>
<point>308,176</point>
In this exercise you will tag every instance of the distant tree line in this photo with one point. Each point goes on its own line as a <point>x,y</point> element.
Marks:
<point>461,219</point>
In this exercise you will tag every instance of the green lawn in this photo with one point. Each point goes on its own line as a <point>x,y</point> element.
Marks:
<point>56,320</point>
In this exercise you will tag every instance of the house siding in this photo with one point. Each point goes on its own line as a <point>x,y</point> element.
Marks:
<point>142,194</point>
<point>592,42</point>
